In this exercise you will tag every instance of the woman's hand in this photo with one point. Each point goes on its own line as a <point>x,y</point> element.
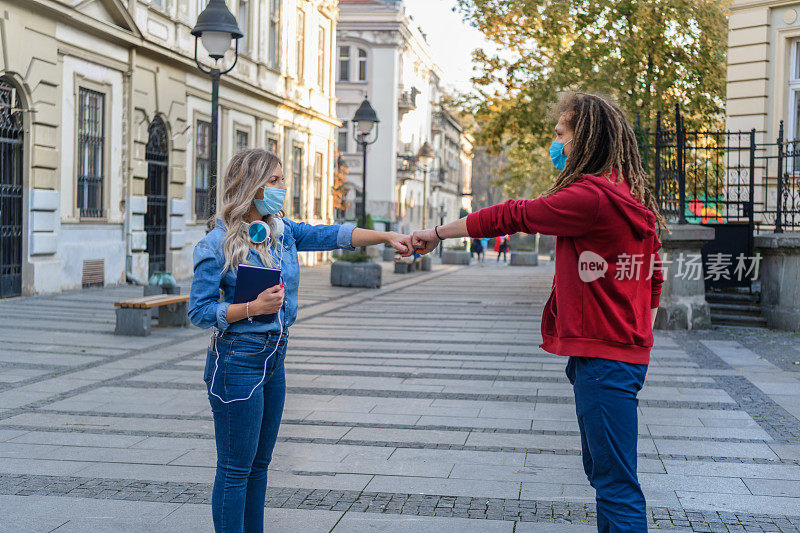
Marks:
<point>268,302</point>
<point>400,242</point>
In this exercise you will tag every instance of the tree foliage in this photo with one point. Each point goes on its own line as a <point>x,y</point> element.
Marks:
<point>340,187</point>
<point>646,54</point>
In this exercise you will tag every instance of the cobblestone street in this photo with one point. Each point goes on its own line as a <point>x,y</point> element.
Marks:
<point>425,405</point>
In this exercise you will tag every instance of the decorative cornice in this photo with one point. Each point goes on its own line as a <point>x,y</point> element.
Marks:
<point>117,35</point>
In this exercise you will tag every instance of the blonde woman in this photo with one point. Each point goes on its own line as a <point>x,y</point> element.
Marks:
<point>244,371</point>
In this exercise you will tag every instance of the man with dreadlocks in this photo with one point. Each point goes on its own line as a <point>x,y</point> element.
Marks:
<point>606,287</point>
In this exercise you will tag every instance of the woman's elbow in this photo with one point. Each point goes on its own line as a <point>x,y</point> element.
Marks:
<point>200,319</point>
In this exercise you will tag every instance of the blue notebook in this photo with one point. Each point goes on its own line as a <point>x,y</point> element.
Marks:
<point>252,281</point>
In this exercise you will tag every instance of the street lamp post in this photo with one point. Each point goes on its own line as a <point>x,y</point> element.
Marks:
<point>425,158</point>
<point>215,28</point>
<point>364,121</point>
<point>442,214</point>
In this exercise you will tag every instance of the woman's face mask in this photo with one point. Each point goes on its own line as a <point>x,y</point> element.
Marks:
<point>557,154</point>
<point>272,202</point>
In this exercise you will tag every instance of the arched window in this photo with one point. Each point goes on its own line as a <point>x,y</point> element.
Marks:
<point>155,188</point>
<point>12,134</point>
<point>362,64</point>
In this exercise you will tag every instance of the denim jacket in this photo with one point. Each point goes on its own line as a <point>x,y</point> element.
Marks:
<point>207,308</point>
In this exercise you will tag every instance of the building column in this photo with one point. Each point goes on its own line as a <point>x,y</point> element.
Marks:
<point>137,263</point>
<point>780,279</point>
<point>683,300</point>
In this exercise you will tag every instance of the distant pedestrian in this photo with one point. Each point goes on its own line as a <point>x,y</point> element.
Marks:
<point>502,247</point>
<point>476,248</point>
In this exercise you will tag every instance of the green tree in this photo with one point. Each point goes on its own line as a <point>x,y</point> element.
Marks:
<point>646,54</point>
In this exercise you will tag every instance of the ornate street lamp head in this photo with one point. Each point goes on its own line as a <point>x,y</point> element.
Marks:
<point>425,154</point>
<point>216,27</point>
<point>365,118</point>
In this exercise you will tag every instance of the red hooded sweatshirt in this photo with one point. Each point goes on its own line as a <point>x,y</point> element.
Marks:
<point>607,266</point>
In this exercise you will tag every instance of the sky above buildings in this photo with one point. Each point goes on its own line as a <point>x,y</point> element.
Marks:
<point>451,39</point>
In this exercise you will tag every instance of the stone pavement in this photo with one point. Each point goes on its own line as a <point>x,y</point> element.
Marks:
<point>424,405</point>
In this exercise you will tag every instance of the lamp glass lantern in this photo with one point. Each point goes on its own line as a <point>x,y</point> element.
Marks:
<point>216,27</point>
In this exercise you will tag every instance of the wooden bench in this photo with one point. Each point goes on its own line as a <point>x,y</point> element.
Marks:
<point>133,315</point>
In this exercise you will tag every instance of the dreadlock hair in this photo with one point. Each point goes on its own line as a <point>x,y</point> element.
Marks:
<point>603,141</point>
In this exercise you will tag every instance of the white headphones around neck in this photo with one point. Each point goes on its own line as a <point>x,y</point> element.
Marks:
<point>259,231</point>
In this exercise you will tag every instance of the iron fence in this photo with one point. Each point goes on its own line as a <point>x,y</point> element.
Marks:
<point>779,206</point>
<point>723,177</point>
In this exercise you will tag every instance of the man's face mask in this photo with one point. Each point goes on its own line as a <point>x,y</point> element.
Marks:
<point>557,154</point>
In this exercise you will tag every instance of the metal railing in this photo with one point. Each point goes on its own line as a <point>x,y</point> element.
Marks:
<point>719,177</point>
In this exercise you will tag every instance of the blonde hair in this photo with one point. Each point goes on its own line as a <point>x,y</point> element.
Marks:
<point>247,171</point>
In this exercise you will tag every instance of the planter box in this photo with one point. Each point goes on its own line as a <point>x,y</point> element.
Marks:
<point>524,259</point>
<point>425,262</point>
<point>455,257</point>
<point>344,274</point>
<point>388,254</point>
<point>402,267</point>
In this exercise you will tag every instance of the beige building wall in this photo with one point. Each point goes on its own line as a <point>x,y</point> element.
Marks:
<point>763,86</point>
<point>138,55</point>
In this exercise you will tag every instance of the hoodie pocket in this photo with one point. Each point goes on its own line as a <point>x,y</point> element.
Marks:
<point>549,315</point>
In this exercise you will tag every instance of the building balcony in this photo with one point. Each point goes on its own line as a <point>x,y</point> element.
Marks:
<point>437,123</point>
<point>406,165</point>
<point>407,101</point>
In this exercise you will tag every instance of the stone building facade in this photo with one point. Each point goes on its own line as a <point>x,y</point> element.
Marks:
<point>382,55</point>
<point>112,169</point>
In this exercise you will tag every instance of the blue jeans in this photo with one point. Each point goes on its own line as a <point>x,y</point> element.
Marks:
<point>606,403</point>
<point>245,431</point>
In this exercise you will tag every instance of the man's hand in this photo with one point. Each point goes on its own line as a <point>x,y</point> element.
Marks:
<point>400,242</point>
<point>424,241</point>
<point>268,302</point>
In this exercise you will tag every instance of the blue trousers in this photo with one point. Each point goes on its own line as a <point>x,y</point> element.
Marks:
<point>245,431</point>
<point>605,402</point>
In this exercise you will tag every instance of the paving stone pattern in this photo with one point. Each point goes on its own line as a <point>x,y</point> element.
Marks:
<point>423,405</point>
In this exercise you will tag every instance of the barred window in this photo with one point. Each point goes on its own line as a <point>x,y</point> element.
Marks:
<point>242,140</point>
<point>244,25</point>
<point>342,141</point>
<point>91,109</point>
<point>318,184</point>
<point>272,144</point>
<point>344,63</point>
<point>202,169</point>
<point>274,33</point>
<point>301,44</point>
<point>321,58</point>
<point>297,180</point>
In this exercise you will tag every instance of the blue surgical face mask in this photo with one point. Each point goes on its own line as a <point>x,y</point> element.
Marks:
<point>557,154</point>
<point>272,202</point>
